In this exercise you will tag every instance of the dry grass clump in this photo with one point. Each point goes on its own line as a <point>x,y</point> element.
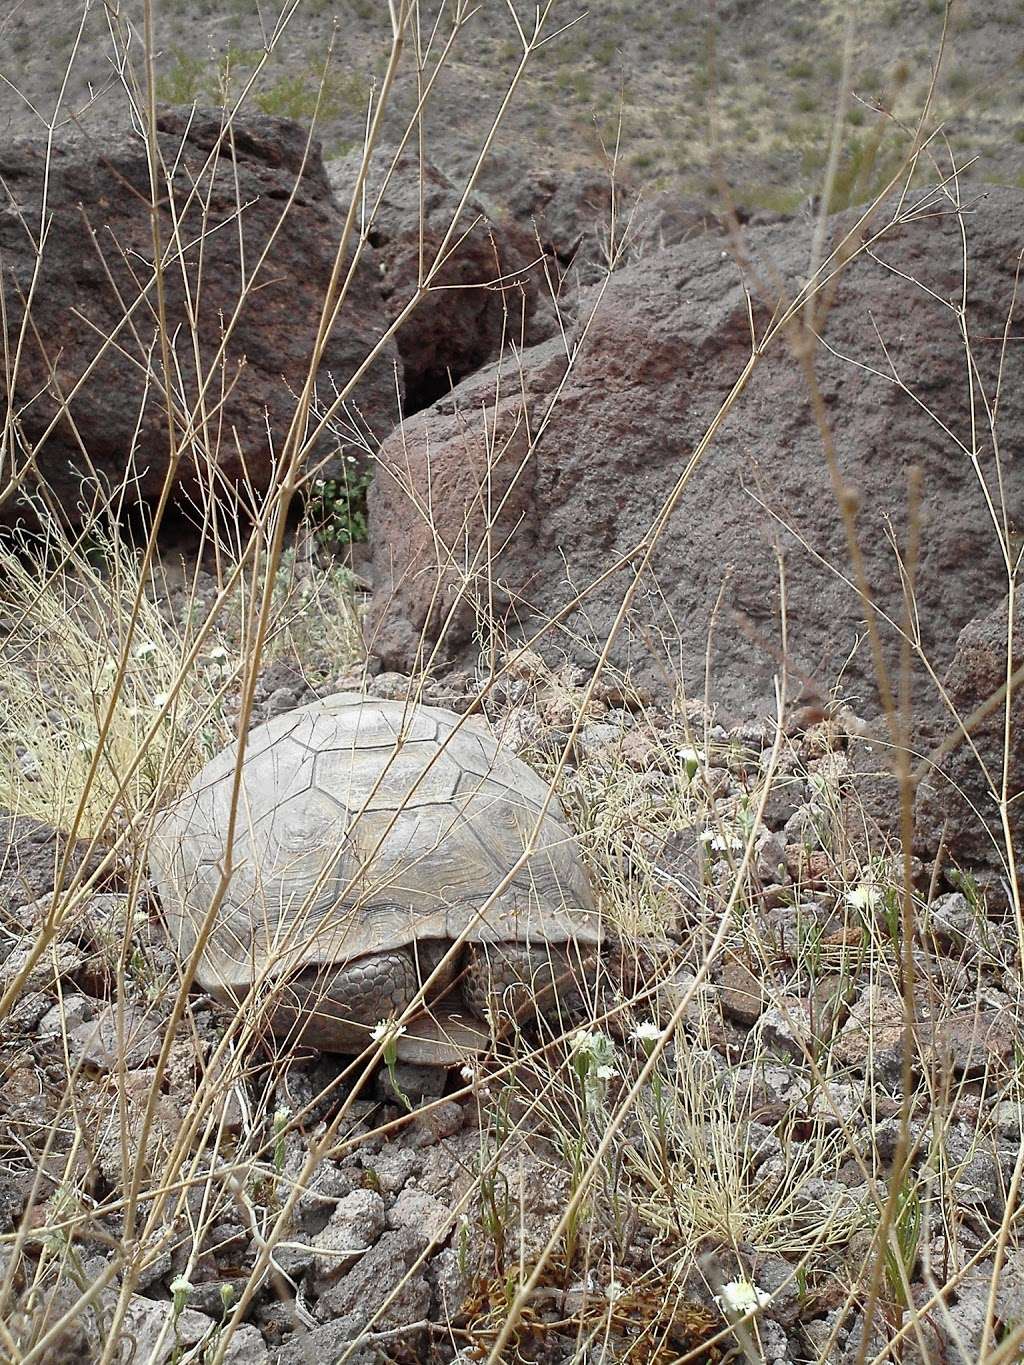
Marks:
<point>91,685</point>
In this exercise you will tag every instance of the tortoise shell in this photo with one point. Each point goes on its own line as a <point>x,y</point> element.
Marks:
<point>363,826</point>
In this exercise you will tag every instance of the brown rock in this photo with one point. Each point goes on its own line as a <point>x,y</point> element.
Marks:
<point>873,1034</point>
<point>119,1114</point>
<point>484,291</point>
<point>741,993</point>
<point>808,866</point>
<point>567,499</point>
<point>969,1043</point>
<point>99,243</point>
<point>870,798</point>
<point>30,858</point>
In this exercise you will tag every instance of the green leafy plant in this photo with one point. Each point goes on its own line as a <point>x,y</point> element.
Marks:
<point>337,508</point>
<point>185,80</point>
<point>901,1246</point>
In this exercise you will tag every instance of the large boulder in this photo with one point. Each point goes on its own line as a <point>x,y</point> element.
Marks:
<point>483,489</point>
<point>956,808</point>
<point>96,268</point>
<point>485,291</point>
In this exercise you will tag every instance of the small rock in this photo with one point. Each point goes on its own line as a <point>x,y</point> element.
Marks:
<point>208,1297</point>
<point>125,1120</point>
<point>811,867</point>
<point>327,1189</point>
<point>62,961</point>
<point>437,1122</point>
<point>599,737</point>
<point>837,1102</point>
<point>803,828</point>
<point>105,921</point>
<point>970,1306</point>
<point>977,1184</point>
<point>789,1027</point>
<point>519,730</point>
<point>1008,1116</point>
<point>108,1042</point>
<point>152,1269</point>
<point>361,1292</point>
<point>782,802</point>
<point>453,1279</point>
<point>968,1043</point>
<point>67,1014</point>
<point>415,1081</point>
<point>682,861</point>
<point>419,1212</point>
<point>741,993</point>
<point>770,859</point>
<point>296,1259</point>
<point>872,1037</point>
<point>391,686</point>
<point>334,1341</point>
<point>642,751</point>
<point>30,853</point>
<point>393,1166</point>
<point>150,1334</point>
<point>353,1228</point>
<point>952,922</point>
<point>703,1005</point>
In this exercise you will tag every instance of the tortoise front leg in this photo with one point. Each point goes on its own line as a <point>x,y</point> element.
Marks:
<point>336,1007</point>
<point>512,980</point>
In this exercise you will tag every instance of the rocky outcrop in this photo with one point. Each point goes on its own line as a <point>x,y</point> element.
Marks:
<point>227,198</point>
<point>483,489</point>
<point>485,292</point>
<point>957,808</point>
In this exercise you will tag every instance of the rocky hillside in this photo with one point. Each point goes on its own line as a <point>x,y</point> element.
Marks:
<point>767,73</point>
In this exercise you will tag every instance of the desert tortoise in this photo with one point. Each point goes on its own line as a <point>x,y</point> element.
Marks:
<point>371,835</point>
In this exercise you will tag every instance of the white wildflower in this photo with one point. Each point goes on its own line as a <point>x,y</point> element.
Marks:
<point>647,1035</point>
<point>740,1297</point>
<point>181,1287</point>
<point>160,700</point>
<point>594,1046</point>
<point>218,655</point>
<point>145,649</point>
<point>387,1031</point>
<point>720,842</point>
<point>468,1074</point>
<point>605,1073</point>
<point>691,759</point>
<point>864,897</point>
